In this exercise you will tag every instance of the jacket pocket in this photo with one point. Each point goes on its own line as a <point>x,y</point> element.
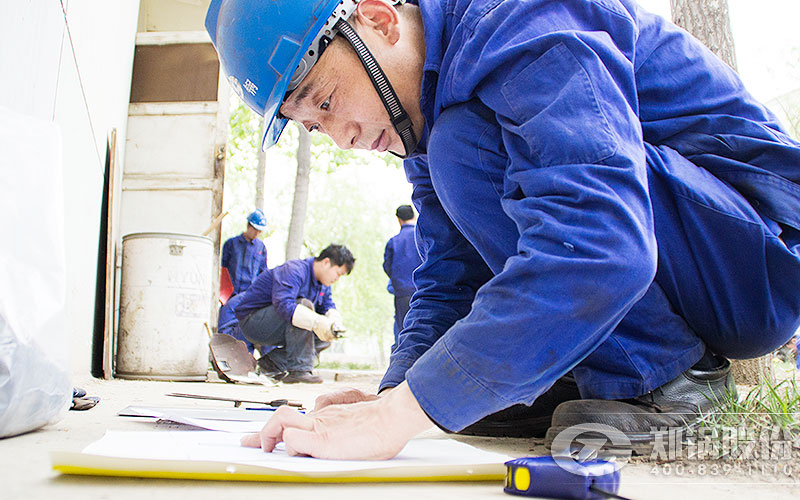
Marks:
<point>557,111</point>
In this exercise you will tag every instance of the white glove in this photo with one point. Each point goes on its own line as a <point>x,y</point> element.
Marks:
<point>338,323</point>
<point>307,319</point>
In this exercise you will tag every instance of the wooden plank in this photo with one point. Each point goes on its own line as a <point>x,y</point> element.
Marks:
<point>109,339</point>
<point>152,183</point>
<point>173,108</point>
<point>171,37</point>
<point>184,72</point>
<point>220,140</point>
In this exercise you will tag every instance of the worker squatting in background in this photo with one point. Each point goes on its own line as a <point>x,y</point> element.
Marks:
<point>290,310</point>
<point>602,206</point>
<point>400,258</point>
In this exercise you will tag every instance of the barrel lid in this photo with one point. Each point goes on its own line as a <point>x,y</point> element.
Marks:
<point>168,236</point>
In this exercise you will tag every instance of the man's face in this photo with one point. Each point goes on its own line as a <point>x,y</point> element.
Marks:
<point>328,274</point>
<point>251,233</point>
<point>337,99</point>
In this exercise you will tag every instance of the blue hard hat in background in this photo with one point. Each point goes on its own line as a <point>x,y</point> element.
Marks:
<point>267,47</point>
<point>257,219</point>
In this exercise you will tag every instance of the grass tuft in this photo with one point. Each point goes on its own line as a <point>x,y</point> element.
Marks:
<point>768,405</point>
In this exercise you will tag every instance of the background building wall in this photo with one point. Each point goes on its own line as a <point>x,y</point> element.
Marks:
<point>71,63</point>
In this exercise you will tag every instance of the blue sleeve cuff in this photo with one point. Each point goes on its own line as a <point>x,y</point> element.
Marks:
<point>396,373</point>
<point>447,393</point>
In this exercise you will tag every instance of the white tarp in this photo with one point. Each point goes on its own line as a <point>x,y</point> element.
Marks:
<point>35,387</point>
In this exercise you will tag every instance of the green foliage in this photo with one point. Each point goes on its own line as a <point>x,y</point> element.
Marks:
<point>354,205</point>
<point>240,169</point>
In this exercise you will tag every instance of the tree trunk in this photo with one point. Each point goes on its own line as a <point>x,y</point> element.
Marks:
<point>709,22</point>
<point>294,243</point>
<point>261,170</point>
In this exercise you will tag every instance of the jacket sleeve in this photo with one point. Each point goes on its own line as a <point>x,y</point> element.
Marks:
<point>227,250</point>
<point>286,285</point>
<point>450,274</point>
<point>263,266</point>
<point>576,187</point>
<point>388,255</point>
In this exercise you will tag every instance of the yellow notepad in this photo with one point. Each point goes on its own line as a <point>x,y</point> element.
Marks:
<point>218,456</point>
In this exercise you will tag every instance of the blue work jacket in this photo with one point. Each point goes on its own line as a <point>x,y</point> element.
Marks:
<point>282,286</point>
<point>244,260</point>
<point>521,281</point>
<point>400,258</point>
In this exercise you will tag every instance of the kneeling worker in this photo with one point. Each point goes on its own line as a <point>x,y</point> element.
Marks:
<point>601,203</point>
<point>291,307</point>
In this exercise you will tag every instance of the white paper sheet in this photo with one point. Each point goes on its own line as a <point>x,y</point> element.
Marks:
<point>245,421</point>
<point>224,447</point>
<point>232,414</point>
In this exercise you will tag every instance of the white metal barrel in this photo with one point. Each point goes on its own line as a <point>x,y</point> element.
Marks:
<point>165,302</point>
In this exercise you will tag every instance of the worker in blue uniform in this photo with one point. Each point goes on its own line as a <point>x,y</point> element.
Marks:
<point>400,258</point>
<point>290,308</point>
<point>245,256</point>
<point>599,199</point>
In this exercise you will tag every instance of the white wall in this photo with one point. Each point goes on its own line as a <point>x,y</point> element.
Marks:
<point>46,65</point>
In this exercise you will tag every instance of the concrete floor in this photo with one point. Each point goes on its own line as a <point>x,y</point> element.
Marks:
<point>26,471</point>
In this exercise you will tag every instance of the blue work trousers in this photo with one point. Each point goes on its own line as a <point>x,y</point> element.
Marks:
<point>401,306</point>
<point>294,348</point>
<point>236,332</point>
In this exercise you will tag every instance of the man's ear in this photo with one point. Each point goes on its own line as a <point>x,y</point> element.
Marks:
<point>381,17</point>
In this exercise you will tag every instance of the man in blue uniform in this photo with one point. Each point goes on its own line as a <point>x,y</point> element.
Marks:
<point>599,198</point>
<point>291,307</point>
<point>245,256</point>
<point>400,258</point>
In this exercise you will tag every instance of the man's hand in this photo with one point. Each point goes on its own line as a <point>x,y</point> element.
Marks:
<point>323,328</point>
<point>374,429</point>
<point>338,323</point>
<point>307,319</point>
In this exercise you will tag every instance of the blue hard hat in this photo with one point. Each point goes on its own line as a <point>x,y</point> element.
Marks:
<point>267,47</point>
<point>257,219</point>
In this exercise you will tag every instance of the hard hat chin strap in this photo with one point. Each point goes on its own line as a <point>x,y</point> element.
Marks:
<point>398,116</point>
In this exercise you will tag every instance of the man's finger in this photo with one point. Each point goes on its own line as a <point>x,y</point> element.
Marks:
<point>283,418</point>
<point>251,441</point>
<point>339,397</point>
<point>346,396</point>
<point>300,442</point>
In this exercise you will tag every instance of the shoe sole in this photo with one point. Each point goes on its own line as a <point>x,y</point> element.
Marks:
<point>528,428</point>
<point>641,443</point>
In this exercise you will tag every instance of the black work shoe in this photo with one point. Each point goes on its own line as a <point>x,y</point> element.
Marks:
<point>268,368</point>
<point>526,421</point>
<point>301,378</point>
<point>636,424</point>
